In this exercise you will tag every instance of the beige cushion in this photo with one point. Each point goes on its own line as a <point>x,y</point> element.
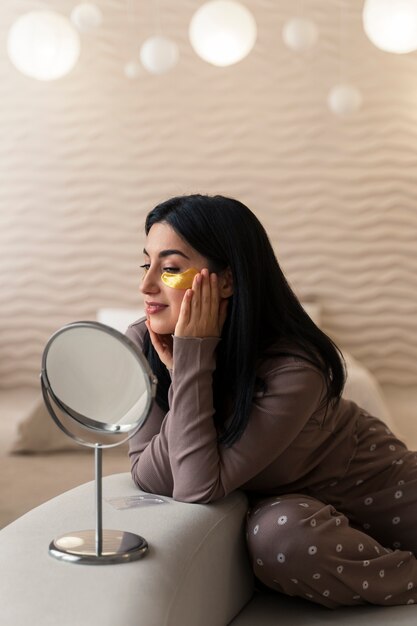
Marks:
<point>38,433</point>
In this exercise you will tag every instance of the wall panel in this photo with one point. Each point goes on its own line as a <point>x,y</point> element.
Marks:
<point>83,159</point>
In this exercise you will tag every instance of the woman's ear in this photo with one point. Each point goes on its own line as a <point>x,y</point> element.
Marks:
<point>225,281</point>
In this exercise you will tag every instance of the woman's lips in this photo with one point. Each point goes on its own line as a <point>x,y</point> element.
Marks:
<point>154,307</point>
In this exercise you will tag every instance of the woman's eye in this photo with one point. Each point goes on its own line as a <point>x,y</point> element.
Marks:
<point>171,270</point>
<point>145,267</point>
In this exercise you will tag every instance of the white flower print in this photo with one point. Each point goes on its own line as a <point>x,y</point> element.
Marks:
<point>281,558</point>
<point>398,494</point>
<point>359,482</point>
<point>396,520</point>
<point>282,520</point>
<point>381,573</point>
<point>259,562</point>
<point>392,448</point>
<point>340,569</point>
<point>410,601</point>
<point>316,576</point>
<point>356,597</point>
<point>308,595</point>
<point>377,550</point>
<point>338,521</point>
<point>326,593</point>
<point>373,447</point>
<point>365,584</point>
<point>388,596</point>
<point>294,580</point>
<point>313,522</point>
<point>312,550</point>
<point>401,482</point>
<point>360,547</point>
<point>339,547</point>
<point>410,586</point>
<point>304,504</point>
<point>255,530</point>
<point>366,563</point>
<point>368,501</point>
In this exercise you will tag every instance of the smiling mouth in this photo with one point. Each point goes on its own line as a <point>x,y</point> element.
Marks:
<point>154,307</point>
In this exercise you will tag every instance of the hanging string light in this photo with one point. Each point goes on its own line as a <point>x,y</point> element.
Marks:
<point>300,34</point>
<point>222,32</point>
<point>43,45</point>
<point>390,25</point>
<point>159,54</point>
<point>343,99</point>
<point>86,17</point>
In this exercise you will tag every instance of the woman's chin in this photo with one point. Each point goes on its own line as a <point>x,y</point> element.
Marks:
<point>160,328</point>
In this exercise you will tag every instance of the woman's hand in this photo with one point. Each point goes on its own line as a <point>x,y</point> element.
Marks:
<point>163,345</point>
<point>203,312</point>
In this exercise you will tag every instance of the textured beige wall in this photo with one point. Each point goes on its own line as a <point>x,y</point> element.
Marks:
<point>84,158</point>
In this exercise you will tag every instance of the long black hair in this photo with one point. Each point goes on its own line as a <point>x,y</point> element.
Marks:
<point>262,312</point>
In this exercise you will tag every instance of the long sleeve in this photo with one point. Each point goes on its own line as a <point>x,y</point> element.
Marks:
<point>148,448</point>
<point>185,460</point>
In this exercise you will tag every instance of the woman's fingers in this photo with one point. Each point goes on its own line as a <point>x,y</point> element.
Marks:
<point>214,299</point>
<point>185,313</point>
<point>163,346</point>
<point>196,299</point>
<point>201,312</point>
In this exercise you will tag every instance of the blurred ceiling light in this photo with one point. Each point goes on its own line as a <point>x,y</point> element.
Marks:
<point>43,45</point>
<point>300,34</point>
<point>222,32</point>
<point>391,25</point>
<point>86,17</point>
<point>344,99</point>
<point>132,69</point>
<point>159,54</point>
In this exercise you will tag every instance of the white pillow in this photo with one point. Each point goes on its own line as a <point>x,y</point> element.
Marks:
<point>119,318</point>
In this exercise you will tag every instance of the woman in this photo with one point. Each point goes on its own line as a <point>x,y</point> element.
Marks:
<point>249,397</point>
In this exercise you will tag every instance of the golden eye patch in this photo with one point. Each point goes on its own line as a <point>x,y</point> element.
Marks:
<point>180,281</point>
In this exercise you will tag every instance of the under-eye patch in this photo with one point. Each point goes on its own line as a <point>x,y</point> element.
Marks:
<point>180,281</point>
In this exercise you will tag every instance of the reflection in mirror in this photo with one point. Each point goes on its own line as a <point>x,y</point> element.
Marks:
<point>98,388</point>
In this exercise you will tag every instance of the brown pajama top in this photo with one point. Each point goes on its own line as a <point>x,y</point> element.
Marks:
<point>333,491</point>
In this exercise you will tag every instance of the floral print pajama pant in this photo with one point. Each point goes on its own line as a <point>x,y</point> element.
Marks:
<point>350,541</point>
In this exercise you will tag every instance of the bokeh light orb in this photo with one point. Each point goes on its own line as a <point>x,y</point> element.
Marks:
<point>222,32</point>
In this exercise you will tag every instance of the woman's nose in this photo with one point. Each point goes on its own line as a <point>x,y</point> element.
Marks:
<point>149,283</point>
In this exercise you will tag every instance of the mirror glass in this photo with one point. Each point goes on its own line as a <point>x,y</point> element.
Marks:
<point>91,371</point>
<point>97,377</point>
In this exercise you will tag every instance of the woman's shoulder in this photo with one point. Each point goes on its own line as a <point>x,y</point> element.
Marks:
<point>286,354</point>
<point>136,331</point>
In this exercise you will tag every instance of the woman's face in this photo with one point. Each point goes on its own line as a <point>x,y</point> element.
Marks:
<point>165,251</point>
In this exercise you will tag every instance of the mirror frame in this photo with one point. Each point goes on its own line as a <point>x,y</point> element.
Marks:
<point>87,423</point>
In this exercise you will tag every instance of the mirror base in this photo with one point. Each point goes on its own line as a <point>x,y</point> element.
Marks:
<point>80,547</point>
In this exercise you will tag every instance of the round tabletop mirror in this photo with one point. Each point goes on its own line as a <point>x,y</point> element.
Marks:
<point>98,388</point>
